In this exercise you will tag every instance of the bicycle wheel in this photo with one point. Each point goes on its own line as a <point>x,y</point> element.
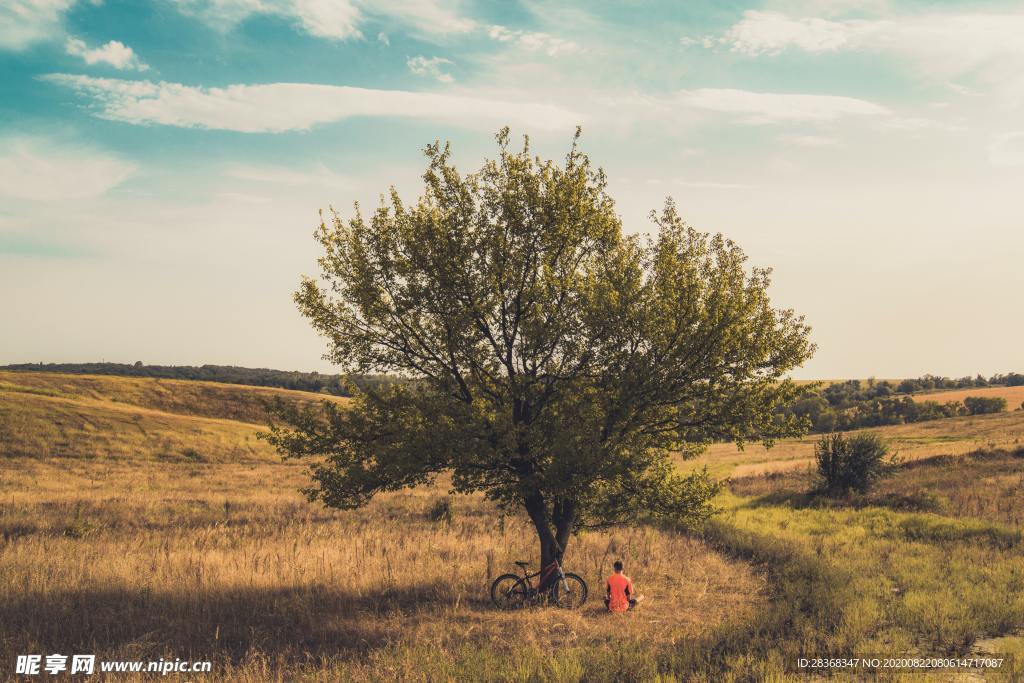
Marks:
<point>508,592</point>
<point>571,594</point>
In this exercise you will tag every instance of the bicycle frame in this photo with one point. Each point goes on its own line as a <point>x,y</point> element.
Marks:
<point>513,590</point>
<point>561,576</point>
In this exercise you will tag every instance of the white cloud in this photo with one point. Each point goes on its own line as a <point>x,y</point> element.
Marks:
<point>332,19</point>
<point>278,107</point>
<point>425,17</point>
<point>708,185</point>
<point>768,107</point>
<point>703,41</point>
<point>942,47</point>
<point>424,66</point>
<point>38,169</point>
<point>918,124</point>
<point>319,175</point>
<point>1007,149</point>
<point>23,22</point>
<point>808,140</point>
<point>115,53</point>
<point>341,19</point>
<point>770,33</point>
<point>335,19</point>
<point>533,41</point>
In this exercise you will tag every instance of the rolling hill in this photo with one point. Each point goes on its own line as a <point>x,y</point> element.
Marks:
<point>141,518</point>
<point>1014,395</point>
<point>63,415</point>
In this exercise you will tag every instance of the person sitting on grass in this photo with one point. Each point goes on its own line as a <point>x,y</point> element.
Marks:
<point>621,596</point>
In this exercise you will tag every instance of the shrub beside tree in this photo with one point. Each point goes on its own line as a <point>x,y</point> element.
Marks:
<point>852,463</point>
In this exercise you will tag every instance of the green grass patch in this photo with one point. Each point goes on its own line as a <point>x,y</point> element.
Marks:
<point>37,391</point>
<point>934,528</point>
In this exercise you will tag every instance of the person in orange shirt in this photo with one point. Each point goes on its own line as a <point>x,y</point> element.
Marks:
<point>621,596</point>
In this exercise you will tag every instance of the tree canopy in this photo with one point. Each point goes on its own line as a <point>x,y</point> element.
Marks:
<point>555,363</point>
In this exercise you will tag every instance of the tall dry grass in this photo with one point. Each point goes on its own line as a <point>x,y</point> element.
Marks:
<point>228,563</point>
<point>953,436</point>
<point>985,484</point>
<point>136,533</point>
<point>237,402</point>
<point>1013,395</point>
<point>45,415</point>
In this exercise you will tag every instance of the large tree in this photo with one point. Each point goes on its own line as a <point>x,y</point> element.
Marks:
<point>552,362</point>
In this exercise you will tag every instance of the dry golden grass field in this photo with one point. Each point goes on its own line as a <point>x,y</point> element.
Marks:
<point>912,441</point>
<point>1014,395</point>
<point>142,519</point>
<point>133,532</point>
<point>56,415</point>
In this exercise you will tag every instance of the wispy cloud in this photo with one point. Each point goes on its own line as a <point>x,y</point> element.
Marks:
<point>332,19</point>
<point>279,107</point>
<point>941,46</point>
<point>38,169</point>
<point>115,53</point>
<point>770,33</point>
<point>427,18</point>
<point>1007,149</point>
<point>24,22</point>
<point>708,184</point>
<point>430,66</point>
<point>707,42</point>
<point>335,19</point>
<point>318,175</point>
<point>433,20</point>
<point>768,107</point>
<point>808,140</point>
<point>533,41</point>
<point>30,247</point>
<point>917,124</point>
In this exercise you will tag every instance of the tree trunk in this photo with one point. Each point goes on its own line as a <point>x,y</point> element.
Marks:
<point>537,510</point>
<point>552,545</point>
<point>564,516</point>
<point>548,550</point>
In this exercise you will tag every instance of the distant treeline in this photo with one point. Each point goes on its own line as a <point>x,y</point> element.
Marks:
<point>837,407</point>
<point>853,404</point>
<point>338,385</point>
<point>933,383</point>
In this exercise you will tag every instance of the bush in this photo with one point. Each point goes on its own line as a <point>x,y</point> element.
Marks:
<point>852,464</point>
<point>982,405</point>
<point>441,511</point>
<point>192,455</point>
<point>79,526</point>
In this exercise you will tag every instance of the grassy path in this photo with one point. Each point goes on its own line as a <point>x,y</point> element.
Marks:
<point>871,582</point>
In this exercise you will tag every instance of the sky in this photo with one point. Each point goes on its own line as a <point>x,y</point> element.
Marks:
<point>162,163</point>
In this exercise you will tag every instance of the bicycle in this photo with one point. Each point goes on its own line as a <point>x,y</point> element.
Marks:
<point>511,591</point>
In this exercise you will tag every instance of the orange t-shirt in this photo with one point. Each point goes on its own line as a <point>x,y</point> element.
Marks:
<point>620,590</point>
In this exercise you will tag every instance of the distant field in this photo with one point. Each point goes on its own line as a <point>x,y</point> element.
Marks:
<point>202,399</point>
<point>132,532</point>
<point>140,518</point>
<point>1014,395</point>
<point>921,439</point>
<point>51,415</point>
<point>980,485</point>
